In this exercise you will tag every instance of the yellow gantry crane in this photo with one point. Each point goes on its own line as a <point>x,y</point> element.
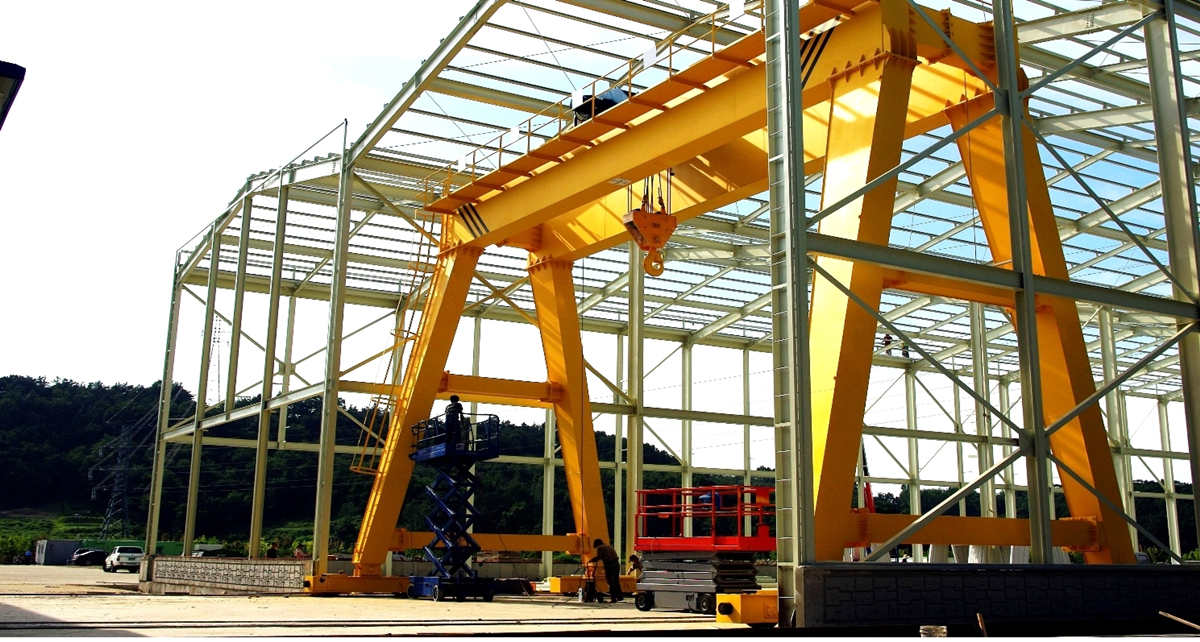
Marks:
<point>876,74</point>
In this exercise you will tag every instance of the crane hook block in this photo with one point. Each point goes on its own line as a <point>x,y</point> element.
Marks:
<point>651,229</point>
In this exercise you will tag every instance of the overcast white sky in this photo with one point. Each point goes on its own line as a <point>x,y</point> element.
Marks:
<point>136,124</point>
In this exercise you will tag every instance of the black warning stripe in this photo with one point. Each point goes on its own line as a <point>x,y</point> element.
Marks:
<point>474,222</point>
<point>459,213</point>
<point>462,214</point>
<point>811,53</point>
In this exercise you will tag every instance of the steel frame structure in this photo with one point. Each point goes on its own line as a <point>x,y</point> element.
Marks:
<point>1113,129</point>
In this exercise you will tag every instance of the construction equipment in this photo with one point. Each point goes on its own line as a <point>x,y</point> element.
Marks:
<point>886,75</point>
<point>699,542</point>
<point>759,610</point>
<point>453,450</point>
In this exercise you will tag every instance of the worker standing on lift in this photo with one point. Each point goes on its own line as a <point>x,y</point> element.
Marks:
<point>454,412</point>
<point>607,555</point>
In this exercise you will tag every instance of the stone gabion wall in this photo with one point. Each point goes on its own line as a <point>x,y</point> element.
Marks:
<point>277,575</point>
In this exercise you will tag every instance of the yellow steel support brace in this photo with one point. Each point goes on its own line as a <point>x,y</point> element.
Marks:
<point>1066,371</point>
<point>447,294</point>
<point>558,321</point>
<point>866,130</point>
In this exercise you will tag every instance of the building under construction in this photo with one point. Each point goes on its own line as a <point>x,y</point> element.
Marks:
<point>955,239</point>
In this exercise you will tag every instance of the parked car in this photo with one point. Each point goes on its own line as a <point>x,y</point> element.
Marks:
<point>88,557</point>
<point>129,557</point>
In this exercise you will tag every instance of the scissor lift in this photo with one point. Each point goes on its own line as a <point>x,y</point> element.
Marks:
<point>687,571</point>
<point>453,454</point>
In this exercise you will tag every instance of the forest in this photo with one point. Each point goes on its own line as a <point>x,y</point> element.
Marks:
<point>85,450</point>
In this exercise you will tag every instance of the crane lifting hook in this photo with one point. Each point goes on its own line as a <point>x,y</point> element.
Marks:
<point>651,228</point>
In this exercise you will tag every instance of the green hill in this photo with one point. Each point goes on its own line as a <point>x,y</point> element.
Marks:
<point>61,442</point>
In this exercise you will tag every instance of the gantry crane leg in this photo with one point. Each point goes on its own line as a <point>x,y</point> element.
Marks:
<point>866,131</point>
<point>1066,371</point>
<point>558,322</point>
<point>439,321</point>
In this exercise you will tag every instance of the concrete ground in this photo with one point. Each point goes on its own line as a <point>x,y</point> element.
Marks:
<point>70,601</point>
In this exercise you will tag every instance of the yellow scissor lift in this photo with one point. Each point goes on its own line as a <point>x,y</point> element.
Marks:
<point>876,75</point>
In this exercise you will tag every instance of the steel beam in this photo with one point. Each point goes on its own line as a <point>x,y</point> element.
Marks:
<point>1078,23</point>
<point>449,47</point>
<point>667,21</point>
<point>488,95</point>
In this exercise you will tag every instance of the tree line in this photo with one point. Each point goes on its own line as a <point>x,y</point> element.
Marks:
<point>63,439</point>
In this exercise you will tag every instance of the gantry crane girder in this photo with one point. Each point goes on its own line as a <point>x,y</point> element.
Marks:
<point>876,73</point>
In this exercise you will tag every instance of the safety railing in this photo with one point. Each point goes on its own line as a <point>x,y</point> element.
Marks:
<point>476,436</point>
<point>519,139</point>
<point>705,518</point>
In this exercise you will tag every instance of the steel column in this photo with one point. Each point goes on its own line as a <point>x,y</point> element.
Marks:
<point>476,332</point>
<point>1174,151</point>
<point>165,394</point>
<point>746,412</point>
<point>618,461</point>
<point>333,365</point>
<point>958,447</point>
<point>983,419</point>
<point>634,386</point>
<point>914,459</point>
<point>239,299</point>
<point>685,472</point>
<point>1010,482</point>
<point>746,480</point>
<point>210,305</point>
<point>1008,100</point>
<point>288,367</point>
<point>789,301</point>
<point>1168,479</point>
<point>558,323</point>
<point>549,430</point>
<point>1117,427</point>
<point>258,495</point>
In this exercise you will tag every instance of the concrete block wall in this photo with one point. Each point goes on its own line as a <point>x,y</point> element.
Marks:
<point>852,595</point>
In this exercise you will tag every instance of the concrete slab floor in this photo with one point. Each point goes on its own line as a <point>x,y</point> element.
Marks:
<point>70,601</point>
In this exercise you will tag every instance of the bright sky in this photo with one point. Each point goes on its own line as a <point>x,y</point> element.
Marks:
<point>136,124</point>
<point>138,121</point>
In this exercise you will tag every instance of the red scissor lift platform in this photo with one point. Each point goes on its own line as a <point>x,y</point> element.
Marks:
<point>729,525</point>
